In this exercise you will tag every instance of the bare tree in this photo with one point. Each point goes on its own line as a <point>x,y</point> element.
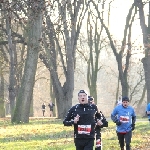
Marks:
<point>67,28</point>
<point>146,41</point>
<point>35,14</point>
<point>12,54</point>
<point>124,49</point>
<point>96,42</point>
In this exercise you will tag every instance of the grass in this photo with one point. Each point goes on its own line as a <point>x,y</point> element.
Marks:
<point>46,134</point>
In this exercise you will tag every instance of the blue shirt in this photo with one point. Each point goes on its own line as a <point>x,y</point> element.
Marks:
<point>148,109</point>
<point>125,115</point>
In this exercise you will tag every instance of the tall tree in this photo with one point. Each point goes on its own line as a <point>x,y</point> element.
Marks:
<point>11,29</point>
<point>146,41</point>
<point>124,51</point>
<point>2,100</point>
<point>66,30</point>
<point>96,43</point>
<point>11,51</point>
<point>3,62</point>
<point>35,15</point>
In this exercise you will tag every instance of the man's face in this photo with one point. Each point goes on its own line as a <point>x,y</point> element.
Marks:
<point>125,103</point>
<point>83,98</point>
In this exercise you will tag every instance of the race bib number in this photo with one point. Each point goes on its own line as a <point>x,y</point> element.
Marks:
<point>124,119</point>
<point>148,112</point>
<point>84,129</point>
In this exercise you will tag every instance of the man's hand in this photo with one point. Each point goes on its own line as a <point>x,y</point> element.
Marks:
<point>133,126</point>
<point>76,119</point>
<point>99,122</point>
<point>118,123</point>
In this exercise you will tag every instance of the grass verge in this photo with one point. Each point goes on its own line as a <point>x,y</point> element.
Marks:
<point>46,134</point>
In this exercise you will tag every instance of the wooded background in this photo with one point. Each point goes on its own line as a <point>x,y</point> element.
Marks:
<point>51,49</point>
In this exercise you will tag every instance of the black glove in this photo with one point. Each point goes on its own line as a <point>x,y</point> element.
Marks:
<point>133,126</point>
<point>118,123</point>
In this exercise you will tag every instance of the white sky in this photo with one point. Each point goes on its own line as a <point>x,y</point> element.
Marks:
<point>118,19</point>
<point>118,13</point>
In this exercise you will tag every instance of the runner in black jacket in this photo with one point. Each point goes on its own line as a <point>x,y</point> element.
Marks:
<point>84,117</point>
<point>98,145</point>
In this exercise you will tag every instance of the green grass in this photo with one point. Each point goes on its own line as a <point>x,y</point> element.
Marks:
<point>46,134</point>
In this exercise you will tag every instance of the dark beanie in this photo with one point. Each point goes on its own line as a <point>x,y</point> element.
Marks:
<point>125,99</point>
<point>90,98</point>
<point>83,91</point>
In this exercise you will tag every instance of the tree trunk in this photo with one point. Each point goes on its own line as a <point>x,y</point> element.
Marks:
<point>53,98</point>
<point>117,92</point>
<point>146,42</point>
<point>25,94</point>
<point>141,100</point>
<point>11,64</point>
<point>31,107</point>
<point>146,64</point>
<point>95,43</point>
<point>2,101</point>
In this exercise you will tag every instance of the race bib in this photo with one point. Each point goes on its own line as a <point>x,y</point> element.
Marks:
<point>148,112</point>
<point>124,119</point>
<point>84,129</point>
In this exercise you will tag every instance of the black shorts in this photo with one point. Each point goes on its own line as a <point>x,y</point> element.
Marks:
<point>126,136</point>
<point>84,144</point>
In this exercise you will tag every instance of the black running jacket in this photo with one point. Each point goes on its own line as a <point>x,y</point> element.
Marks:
<point>85,127</point>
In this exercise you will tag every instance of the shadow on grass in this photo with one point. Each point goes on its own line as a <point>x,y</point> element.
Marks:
<point>29,137</point>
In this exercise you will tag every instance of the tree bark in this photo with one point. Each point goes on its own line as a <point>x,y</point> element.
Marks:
<point>2,101</point>
<point>146,65</point>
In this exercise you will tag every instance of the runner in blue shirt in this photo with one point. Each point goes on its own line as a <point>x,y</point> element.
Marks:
<point>124,117</point>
